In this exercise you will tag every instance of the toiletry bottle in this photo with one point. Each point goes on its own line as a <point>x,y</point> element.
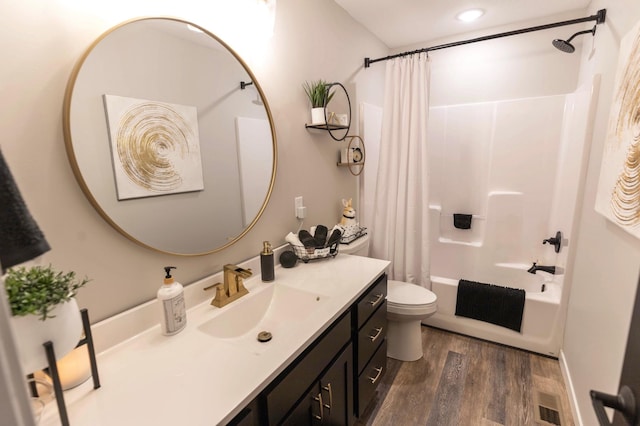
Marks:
<point>266,263</point>
<point>171,298</point>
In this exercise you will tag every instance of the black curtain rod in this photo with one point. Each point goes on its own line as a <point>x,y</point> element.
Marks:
<point>598,17</point>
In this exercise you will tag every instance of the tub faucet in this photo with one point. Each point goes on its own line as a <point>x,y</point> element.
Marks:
<point>535,267</point>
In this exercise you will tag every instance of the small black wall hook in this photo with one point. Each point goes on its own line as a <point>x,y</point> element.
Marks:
<point>555,241</point>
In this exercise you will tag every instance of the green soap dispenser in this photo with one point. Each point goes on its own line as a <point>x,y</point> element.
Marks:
<point>171,298</point>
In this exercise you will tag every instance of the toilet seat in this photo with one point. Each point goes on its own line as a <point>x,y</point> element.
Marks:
<point>410,299</point>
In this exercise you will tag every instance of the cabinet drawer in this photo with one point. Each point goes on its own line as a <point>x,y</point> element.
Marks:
<point>372,299</point>
<point>371,335</point>
<point>371,376</point>
<point>295,381</point>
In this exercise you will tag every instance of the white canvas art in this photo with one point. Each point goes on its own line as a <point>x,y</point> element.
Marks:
<point>618,197</point>
<point>155,147</point>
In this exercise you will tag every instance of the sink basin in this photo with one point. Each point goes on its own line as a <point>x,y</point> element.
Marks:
<point>276,309</point>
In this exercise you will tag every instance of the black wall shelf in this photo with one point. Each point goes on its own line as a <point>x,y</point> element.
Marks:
<point>343,102</point>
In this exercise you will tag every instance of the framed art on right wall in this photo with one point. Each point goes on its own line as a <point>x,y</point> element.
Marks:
<point>618,197</point>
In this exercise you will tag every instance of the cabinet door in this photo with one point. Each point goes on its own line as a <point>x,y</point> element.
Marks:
<point>330,400</point>
<point>288,389</point>
<point>336,388</point>
<point>309,411</point>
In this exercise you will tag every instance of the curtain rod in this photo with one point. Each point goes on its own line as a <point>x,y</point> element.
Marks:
<point>598,17</point>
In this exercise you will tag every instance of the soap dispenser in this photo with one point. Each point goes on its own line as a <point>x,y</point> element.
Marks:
<point>266,263</point>
<point>171,298</point>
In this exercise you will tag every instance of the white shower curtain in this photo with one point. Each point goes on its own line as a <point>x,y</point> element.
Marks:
<point>400,221</point>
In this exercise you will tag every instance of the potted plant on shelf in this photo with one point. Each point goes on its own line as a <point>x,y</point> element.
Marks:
<point>319,94</point>
<point>43,308</point>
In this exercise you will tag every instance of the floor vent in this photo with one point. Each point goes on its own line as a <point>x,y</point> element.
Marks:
<point>547,408</point>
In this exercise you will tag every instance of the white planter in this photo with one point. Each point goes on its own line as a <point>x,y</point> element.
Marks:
<point>317,116</point>
<point>65,330</point>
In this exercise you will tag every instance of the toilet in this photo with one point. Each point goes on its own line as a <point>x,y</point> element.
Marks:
<point>407,305</point>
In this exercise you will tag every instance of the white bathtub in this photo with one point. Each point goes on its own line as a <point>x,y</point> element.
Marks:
<point>541,331</point>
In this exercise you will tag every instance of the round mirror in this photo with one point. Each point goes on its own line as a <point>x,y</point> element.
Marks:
<point>170,136</point>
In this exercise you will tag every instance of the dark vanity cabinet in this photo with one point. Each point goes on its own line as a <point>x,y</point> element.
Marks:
<point>370,332</point>
<point>318,387</point>
<point>334,379</point>
<point>330,400</point>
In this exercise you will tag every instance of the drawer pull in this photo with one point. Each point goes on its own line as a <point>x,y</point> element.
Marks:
<point>379,297</point>
<point>319,399</point>
<point>330,404</point>
<point>375,379</point>
<point>378,332</point>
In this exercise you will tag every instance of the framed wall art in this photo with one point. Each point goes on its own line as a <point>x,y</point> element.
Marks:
<point>618,197</point>
<point>155,147</point>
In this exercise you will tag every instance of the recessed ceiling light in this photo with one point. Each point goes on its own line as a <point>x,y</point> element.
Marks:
<point>470,15</point>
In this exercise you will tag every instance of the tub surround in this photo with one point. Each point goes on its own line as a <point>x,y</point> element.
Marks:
<point>516,202</point>
<point>194,378</point>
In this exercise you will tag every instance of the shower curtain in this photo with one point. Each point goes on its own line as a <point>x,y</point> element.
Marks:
<point>401,207</point>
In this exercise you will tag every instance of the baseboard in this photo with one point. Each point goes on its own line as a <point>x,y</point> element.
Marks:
<point>568,384</point>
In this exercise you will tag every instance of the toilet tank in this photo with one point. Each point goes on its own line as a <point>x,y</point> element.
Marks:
<point>359,247</point>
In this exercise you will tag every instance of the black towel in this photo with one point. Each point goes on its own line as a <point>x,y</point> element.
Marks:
<point>497,305</point>
<point>20,236</point>
<point>336,234</point>
<point>462,221</point>
<point>320,236</point>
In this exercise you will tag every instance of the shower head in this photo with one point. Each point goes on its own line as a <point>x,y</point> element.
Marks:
<point>563,45</point>
<point>566,46</point>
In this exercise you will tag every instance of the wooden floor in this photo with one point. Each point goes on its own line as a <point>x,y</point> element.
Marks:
<point>465,381</point>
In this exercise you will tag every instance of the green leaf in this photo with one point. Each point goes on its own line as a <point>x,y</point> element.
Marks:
<point>37,290</point>
<point>318,92</point>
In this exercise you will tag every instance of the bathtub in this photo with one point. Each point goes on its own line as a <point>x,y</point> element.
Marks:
<point>541,329</point>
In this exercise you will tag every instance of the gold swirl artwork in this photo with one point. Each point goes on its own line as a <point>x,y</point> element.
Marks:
<point>618,197</point>
<point>154,146</point>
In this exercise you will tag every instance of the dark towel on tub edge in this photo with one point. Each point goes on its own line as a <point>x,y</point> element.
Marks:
<point>497,305</point>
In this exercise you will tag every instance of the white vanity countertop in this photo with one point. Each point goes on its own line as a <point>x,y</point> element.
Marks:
<point>194,379</point>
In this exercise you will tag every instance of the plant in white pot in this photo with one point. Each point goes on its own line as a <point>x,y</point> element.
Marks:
<point>43,308</point>
<point>319,94</point>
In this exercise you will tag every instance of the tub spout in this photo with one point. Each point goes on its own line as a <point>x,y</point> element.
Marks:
<point>535,267</point>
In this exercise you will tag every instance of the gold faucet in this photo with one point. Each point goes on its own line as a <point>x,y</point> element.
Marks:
<point>232,288</point>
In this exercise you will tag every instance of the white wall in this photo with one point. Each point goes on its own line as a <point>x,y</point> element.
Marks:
<point>42,39</point>
<point>607,258</point>
<point>519,66</point>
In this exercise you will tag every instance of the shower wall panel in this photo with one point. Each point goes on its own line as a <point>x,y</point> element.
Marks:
<point>497,161</point>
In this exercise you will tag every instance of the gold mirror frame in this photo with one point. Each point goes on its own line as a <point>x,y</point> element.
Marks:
<point>73,160</point>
